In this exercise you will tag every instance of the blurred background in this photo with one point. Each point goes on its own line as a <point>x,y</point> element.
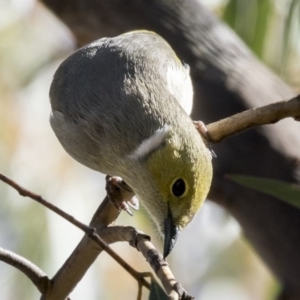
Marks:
<point>32,45</point>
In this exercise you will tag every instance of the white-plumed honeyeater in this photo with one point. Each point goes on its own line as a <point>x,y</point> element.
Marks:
<point>121,106</point>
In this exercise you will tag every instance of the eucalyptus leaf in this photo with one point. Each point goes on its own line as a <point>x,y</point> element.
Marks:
<point>292,17</point>
<point>289,193</point>
<point>156,292</point>
<point>250,20</point>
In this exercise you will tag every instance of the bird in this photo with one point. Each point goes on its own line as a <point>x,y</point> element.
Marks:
<point>120,106</point>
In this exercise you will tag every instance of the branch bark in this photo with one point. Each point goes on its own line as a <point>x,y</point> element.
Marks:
<point>35,274</point>
<point>268,114</point>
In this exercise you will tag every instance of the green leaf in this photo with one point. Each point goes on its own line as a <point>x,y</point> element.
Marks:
<point>250,20</point>
<point>284,191</point>
<point>230,13</point>
<point>156,292</point>
<point>263,15</point>
<point>292,17</point>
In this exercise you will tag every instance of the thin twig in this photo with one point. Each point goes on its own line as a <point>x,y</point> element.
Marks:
<point>139,295</point>
<point>85,254</point>
<point>135,274</point>
<point>34,273</point>
<point>142,243</point>
<point>26,193</point>
<point>90,231</point>
<point>248,119</point>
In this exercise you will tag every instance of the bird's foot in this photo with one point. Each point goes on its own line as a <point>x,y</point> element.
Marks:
<point>200,126</point>
<point>120,194</point>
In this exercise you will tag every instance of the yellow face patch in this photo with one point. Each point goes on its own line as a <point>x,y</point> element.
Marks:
<point>190,172</point>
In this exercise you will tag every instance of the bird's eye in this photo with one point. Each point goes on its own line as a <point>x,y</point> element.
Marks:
<point>178,187</point>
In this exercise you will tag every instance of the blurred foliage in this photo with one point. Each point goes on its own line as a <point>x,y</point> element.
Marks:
<point>250,21</point>
<point>271,29</point>
<point>284,191</point>
<point>156,292</point>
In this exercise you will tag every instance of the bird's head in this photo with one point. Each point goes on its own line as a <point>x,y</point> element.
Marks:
<point>180,173</point>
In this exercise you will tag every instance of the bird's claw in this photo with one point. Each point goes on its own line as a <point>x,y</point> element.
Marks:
<point>120,194</point>
<point>134,203</point>
<point>200,126</point>
<point>123,206</point>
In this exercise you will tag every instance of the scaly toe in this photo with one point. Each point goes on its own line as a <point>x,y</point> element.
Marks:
<point>120,194</point>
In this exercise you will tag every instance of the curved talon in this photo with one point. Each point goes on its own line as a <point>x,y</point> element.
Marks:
<point>120,183</point>
<point>123,206</point>
<point>200,126</point>
<point>120,194</point>
<point>212,151</point>
<point>134,203</point>
<point>127,209</point>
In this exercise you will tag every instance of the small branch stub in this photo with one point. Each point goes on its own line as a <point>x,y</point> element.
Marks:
<point>251,118</point>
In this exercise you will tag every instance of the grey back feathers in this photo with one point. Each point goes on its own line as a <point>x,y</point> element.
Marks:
<point>133,79</point>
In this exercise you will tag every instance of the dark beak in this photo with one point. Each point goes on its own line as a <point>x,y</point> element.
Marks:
<point>171,233</point>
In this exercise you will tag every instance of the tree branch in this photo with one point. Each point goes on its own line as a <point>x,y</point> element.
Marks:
<point>35,274</point>
<point>26,193</point>
<point>142,243</point>
<point>251,118</point>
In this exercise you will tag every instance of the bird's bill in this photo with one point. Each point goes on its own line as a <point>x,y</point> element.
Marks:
<point>171,233</point>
